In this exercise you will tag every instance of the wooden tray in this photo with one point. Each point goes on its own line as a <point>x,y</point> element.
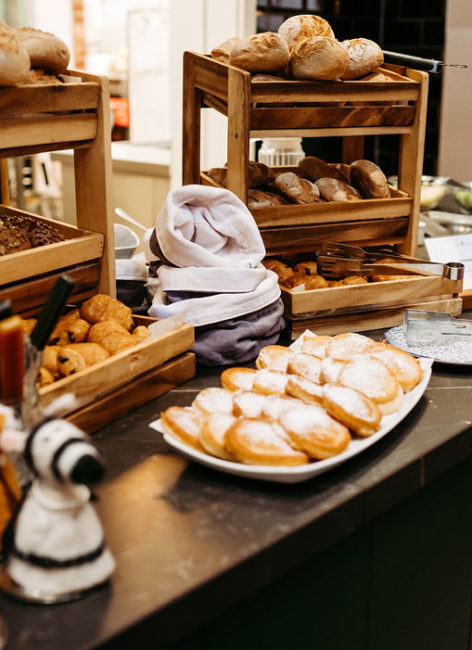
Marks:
<point>399,204</point>
<point>78,246</point>
<point>366,306</point>
<point>121,370</point>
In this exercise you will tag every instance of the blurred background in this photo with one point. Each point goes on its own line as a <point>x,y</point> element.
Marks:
<point>138,45</point>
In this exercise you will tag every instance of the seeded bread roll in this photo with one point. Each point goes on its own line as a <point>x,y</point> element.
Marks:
<point>46,51</point>
<point>333,190</point>
<point>14,59</point>
<point>221,52</point>
<point>365,56</point>
<point>318,57</point>
<point>369,179</point>
<point>315,168</point>
<point>299,190</point>
<point>266,52</point>
<point>303,26</point>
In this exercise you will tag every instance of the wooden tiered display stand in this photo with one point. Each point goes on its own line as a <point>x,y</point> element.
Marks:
<point>351,110</point>
<point>36,118</point>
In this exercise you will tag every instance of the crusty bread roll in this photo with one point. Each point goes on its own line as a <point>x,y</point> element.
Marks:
<point>315,168</point>
<point>265,52</point>
<point>259,174</point>
<point>267,77</point>
<point>298,190</point>
<point>318,57</point>
<point>218,174</point>
<point>365,56</point>
<point>14,59</point>
<point>260,199</point>
<point>369,179</point>
<point>303,26</point>
<point>46,51</point>
<point>332,189</point>
<point>221,52</point>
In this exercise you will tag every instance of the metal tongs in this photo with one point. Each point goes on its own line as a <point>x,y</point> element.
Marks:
<point>432,327</point>
<point>336,260</point>
<point>418,63</point>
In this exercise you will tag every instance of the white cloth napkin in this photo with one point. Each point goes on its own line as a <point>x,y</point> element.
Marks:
<point>210,280</point>
<point>208,226</point>
<point>220,306</point>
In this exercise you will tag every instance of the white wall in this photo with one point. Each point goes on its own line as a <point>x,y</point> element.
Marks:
<point>455,143</point>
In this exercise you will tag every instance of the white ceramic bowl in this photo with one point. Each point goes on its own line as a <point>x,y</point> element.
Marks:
<point>126,241</point>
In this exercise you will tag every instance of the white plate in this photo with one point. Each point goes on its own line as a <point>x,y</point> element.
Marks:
<point>303,472</point>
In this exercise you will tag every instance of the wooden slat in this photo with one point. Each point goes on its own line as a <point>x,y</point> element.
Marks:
<point>89,384</point>
<point>304,304</point>
<point>191,123</point>
<point>299,239</point>
<point>211,101</point>
<point>93,172</point>
<point>353,148</point>
<point>46,129</point>
<point>331,132</point>
<point>23,101</point>
<point>139,391</point>
<point>410,164</point>
<point>210,75</point>
<point>331,212</point>
<point>28,150</point>
<point>377,319</point>
<point>331,116</point>
<point>29,296</point>
<point>238,133</point>
<point>43,259</point>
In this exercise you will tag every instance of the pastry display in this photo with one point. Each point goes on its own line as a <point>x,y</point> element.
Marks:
<point>82,338</point>
<point>301,404</point>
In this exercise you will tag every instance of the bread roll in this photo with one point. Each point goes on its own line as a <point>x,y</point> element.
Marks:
<point>46,51</point>
<point>299,190</point>
<point>260,199</point>
<point>303,26</point>
<point>221,52</point>
<point>365,56</point>
<point>315,168</point>
<point>265,52</point>
<point>14,59</point>
<point>218,174</point>
<point>259,174</point>
<point>369,179</point>
<point>318,57</point>
<point>267,77</point>
<point>332,189</point>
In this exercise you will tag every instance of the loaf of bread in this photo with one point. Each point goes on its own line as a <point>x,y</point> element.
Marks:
<point>298,190</point>
<point>221,52</point>
<point>365,56</point>
<point>315,168</point>
<point>14,58</point>
<point>369,179</point>
<point>218,174</point>
<point>318,57</point>
<point>303,26</point>
<point>46,51</point>
<point>332,189</point>
<point>265,52</point>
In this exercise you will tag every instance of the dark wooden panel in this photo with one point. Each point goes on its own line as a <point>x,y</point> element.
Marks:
<point>29,296</point>
<point>280,241</point>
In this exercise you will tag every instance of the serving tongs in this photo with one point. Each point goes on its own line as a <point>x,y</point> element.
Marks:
<point>436,328</point>
<point>336,260</point>
<point>419,63</point>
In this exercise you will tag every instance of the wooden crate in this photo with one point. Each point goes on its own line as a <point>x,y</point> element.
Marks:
<point>347,109</point>
<point>374,305</point>
<point>128,379</point>
<point>36,118</point>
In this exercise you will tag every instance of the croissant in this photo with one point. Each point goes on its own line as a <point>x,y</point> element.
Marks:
<point>104,308</point>
<point>69,330</point>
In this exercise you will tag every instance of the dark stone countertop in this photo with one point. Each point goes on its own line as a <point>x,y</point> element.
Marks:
<point>190,542</point>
